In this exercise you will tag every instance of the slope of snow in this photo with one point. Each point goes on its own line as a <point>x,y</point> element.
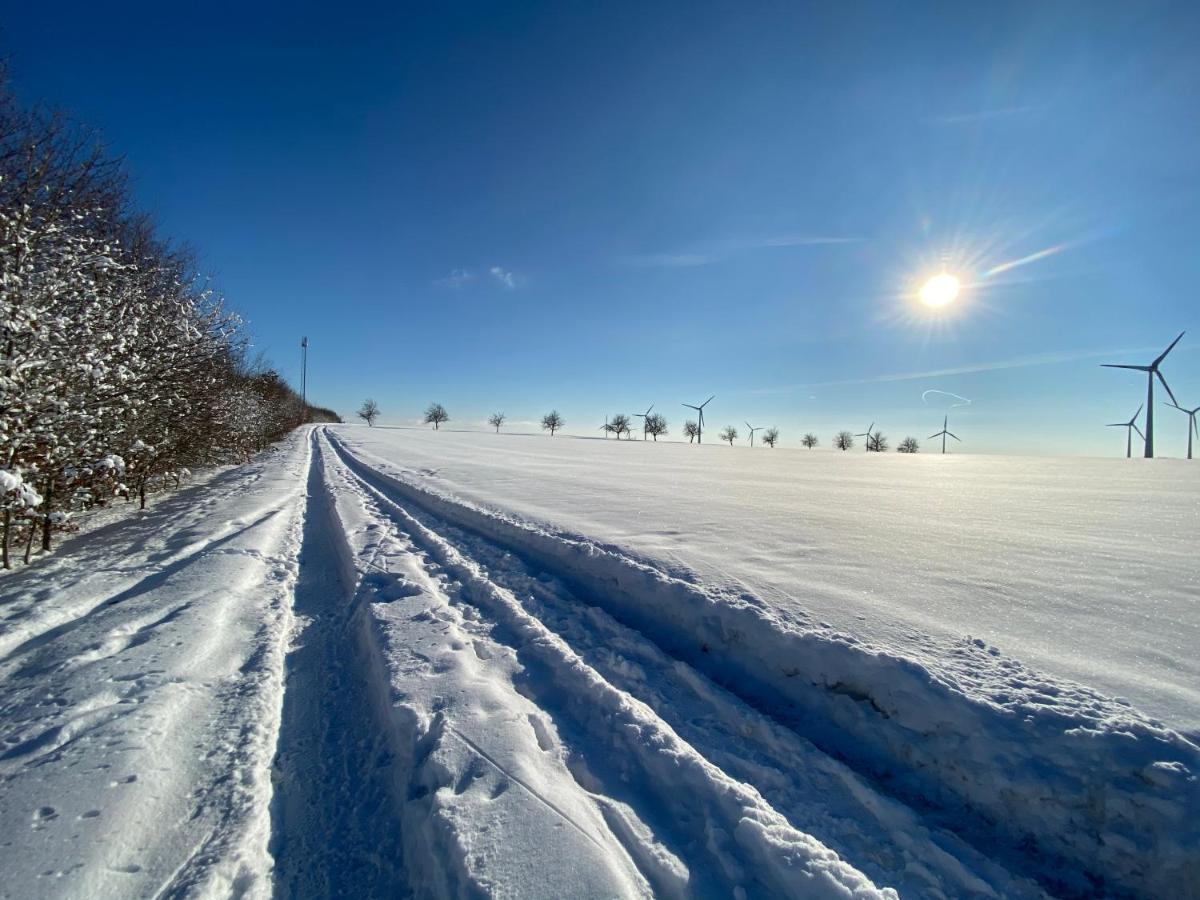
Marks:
<point>540,729</point>
<point>141,669</point>
<point>1086,789</point>
<point>398,664</point>
<point>1083,568</point>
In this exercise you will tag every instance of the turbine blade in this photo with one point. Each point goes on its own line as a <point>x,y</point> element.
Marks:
<point>932,436</point>
<point>1139,431</point>
<point>955,436</point>
<point>1119,425</point>
<point>1115,366</point>
<point>1163,355</point>
<point>1164,383</point>
<point>1139,412</point>
<point>708,401</point>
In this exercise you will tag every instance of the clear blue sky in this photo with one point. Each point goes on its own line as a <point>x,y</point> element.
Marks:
<point>599,206</point>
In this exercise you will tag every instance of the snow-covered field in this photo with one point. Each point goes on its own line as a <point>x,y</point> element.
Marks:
<point>393,662</point>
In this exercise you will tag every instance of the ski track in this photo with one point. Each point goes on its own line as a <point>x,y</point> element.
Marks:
<point>1077,792</point>
<point>310,677</point>
<point>572,654</point>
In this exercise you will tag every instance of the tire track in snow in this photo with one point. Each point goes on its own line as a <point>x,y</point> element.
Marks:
<point>1067,799</point>
<point>334,828</point>
<point>640,772</point>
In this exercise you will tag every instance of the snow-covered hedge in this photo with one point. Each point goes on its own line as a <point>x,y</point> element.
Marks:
<point>119,368</point>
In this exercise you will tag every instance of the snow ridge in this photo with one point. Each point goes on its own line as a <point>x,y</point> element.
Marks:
<point>1084,793</point>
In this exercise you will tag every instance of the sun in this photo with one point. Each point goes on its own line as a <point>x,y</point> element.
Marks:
<point>940,290</point>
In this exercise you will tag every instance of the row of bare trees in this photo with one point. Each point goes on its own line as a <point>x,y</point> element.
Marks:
<point>654,426</point>
<point>120,369</point>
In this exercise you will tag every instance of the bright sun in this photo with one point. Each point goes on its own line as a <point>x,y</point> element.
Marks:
<point>940,290</point>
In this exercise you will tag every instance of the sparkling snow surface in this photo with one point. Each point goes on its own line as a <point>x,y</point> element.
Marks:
<point>394,662</point>
<point>1087,569</point>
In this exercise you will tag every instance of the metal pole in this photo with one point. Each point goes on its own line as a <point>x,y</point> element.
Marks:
<point>304,375</point>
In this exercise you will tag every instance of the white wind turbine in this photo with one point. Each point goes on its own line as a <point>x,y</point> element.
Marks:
<point>700,422</point>
<point>1130,427</point>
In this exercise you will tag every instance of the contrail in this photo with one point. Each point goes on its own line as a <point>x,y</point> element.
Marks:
<point>961,401</point>
<point>1025,260</point>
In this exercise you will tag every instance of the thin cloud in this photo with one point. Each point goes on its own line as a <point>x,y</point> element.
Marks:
<point>955,399</point>
<point>983,115</point>
<point>504,277</point>
<point>455,280</point>
<point>1022,362</point>
<point>669,260</point>
<point>720,251</point>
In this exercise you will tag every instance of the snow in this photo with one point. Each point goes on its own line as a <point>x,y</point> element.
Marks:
<point>1082,568</point>
<point>383,662</point>
<point>706,556</point>
<point>142,667</point>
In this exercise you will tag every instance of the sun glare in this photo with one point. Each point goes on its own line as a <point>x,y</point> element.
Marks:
<point>940,290</point>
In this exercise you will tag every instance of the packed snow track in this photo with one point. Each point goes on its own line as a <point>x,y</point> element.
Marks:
<point>313,676</point>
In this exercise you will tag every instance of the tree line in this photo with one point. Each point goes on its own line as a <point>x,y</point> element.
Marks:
<point>120,367</point>
<point>654,426</point>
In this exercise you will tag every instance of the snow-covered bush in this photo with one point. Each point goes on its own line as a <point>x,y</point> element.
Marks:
<point>119,367</point>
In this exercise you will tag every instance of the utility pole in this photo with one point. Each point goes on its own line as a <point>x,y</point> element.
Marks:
<point>304,376</point>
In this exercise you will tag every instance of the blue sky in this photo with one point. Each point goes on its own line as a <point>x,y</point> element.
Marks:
<point>599,206</point>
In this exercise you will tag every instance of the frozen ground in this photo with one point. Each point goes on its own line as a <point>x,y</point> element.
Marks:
<point>398,663</point>
<point>1082,568</point>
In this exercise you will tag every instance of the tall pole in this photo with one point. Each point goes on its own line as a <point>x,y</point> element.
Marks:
<point>1150,414</point>
<point>304,376</point>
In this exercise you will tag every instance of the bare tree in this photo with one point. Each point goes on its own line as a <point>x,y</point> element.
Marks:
<point>552,421</point>
<point>843,440</point>
<point>770,436</point>
<point>690,430</point>
<point>435,415</point>
<point>619,425</point>
<point>729,433</point>
<point>656,424</point>
<point>810,440</point>
<point>878,442</point>
<point>369,411</point>
<point>496,419</point>
<point>908,445</point>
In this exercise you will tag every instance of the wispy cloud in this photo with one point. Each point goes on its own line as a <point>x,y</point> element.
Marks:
<point>503,276</point>
<point>669,260</point>
<point>455,280</point>
<point>1020,362</point>
<point>940,398</point>
<point>982,115</point>
<point>719,251</point>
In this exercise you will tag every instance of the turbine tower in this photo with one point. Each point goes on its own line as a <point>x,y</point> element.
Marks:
<point>868,436</point>
<point>943,434</point>
<point>752,430</point>
<point>700,421</point>
<point>1151,370</point>
<point>1192,427</point>
<point>1131,425</point>
<point>645,417</point>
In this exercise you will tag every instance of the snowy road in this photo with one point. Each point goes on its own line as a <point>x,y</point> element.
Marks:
<point>314,677</point>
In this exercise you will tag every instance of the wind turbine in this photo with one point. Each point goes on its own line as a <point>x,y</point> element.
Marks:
<point>943,433</point>
<point>752,430</point>
<point>868,436</point>
<point>1132,426</point>
<point>700,421</point>
<point>645,418</point>
<point>605,428</point>
<point>1151,370</point>
<point>1191,423</point>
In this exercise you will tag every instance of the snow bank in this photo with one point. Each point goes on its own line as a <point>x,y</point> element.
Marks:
<point>747,846</point>
<point>1090,795</point>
